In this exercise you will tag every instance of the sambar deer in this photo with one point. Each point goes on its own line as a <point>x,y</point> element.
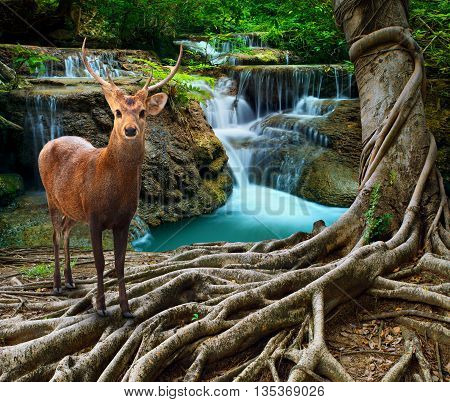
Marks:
<point>100,186</point>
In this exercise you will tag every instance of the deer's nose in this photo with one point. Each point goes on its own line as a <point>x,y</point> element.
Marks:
<point>130,131</point>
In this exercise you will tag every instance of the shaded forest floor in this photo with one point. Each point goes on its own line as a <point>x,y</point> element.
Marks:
<point>366,345</point>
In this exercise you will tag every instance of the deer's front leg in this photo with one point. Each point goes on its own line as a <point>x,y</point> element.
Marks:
<point>120,248</point>
<point>97,247</point>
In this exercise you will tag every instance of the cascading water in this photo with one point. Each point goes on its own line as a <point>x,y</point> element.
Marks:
<point>42,124</point>
<point>279,88</point>
<point>217,51</point>
<point>102,63</point>
<point>286,99</point>
<point>256,212</point>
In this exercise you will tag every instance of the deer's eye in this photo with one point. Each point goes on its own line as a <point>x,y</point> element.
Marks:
<point>118,113</point>
<point>142,114</point>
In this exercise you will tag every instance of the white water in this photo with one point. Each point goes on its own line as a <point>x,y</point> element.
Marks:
<point>102,63</point>
<point>42,123</point>
<point>218,51</point>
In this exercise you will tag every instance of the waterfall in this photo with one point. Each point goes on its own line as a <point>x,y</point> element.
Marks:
<point>208,50</point>
<point>102,63</point>
<point>267,147</point>
<point>217,51</point>
<point>138,228</point>
<point>264,127</point>
<point>42,124</point>
<point>225,114</point>
<point>278,88</point>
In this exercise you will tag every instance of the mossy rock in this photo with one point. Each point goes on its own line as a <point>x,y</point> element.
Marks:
<point>261,56</point>
<point>328,181</point>
<point>26,223</point>
<point>11,186</point>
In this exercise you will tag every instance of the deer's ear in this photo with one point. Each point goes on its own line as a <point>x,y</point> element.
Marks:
<point>156,103</point>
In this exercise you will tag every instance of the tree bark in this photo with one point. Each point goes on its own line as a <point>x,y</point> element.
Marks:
<point>381,77</point>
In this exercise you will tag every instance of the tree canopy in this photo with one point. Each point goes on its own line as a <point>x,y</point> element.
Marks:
<point>305,27</point>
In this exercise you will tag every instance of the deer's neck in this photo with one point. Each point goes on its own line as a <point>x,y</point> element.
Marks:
<point>123,158</point>
<point>124,153</point>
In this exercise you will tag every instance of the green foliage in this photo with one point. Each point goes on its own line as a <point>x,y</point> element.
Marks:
<point>181,88</point>
<point>42,270</point>
<point>430,20</point>
<point>35,60</point>
<point>302,26</point>
<point>349,66</point>
<point>376,225</point>
<point>306,28</point>
<point>195,317</point>
<point>38,271</point>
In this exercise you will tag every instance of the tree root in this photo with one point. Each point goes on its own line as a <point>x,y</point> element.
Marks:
<point>235,307</point>
<point>434,331</point>
<point>391,289</point>
<point>402,313</point>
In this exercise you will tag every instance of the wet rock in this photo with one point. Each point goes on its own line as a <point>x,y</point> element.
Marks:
<point>124,58</point>
<point>259,56</point>
<point>314,157</point>
<point>328,181</point>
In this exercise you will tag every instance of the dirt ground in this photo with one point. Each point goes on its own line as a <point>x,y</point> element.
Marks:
<point>364,344</point>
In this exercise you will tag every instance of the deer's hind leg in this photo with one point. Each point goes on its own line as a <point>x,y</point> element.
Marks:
<point>67,225</point>
<point>56,218</point>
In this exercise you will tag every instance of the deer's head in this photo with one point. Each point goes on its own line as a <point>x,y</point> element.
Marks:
<point>130,111</point>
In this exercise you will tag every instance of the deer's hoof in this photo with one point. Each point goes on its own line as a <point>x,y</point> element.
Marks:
<point>70,285</point>
<point>102,313</point>
<point>127,315</point>
<point>57,291</point>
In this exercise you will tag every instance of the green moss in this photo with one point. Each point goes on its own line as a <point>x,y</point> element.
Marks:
<point>261,56</point>
<point>217,165</point>
<point>26,223</point>
<point>218,188</point>
<point>11,185</point>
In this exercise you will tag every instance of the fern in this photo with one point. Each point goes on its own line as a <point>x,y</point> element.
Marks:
<point>182,88</point>
<point>33,59</point>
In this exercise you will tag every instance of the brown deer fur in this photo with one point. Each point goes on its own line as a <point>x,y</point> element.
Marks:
<point>100,186</point>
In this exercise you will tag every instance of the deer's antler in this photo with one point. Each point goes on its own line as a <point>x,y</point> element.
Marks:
<point>96,77</point>
<point>168,78</point>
